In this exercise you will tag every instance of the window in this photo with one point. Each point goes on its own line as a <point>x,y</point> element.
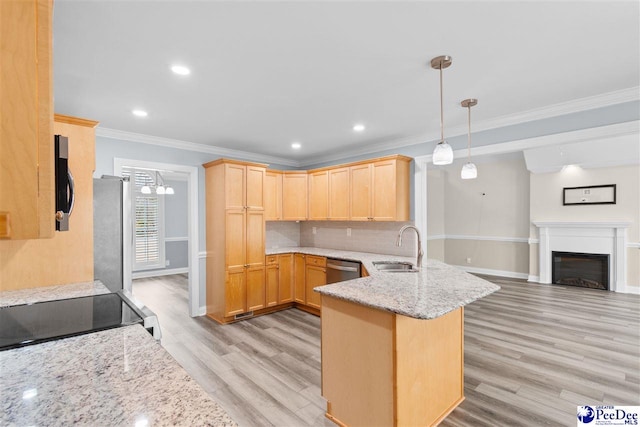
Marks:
<point>148,221</point>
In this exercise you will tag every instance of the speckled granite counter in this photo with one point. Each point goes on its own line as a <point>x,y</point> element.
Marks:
<point>436,290</point>
<point>49,293</point>
<point>115,377</point>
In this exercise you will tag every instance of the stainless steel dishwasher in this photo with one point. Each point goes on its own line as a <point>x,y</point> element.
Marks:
<point>339,270</point>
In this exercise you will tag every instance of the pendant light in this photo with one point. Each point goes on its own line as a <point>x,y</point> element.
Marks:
<point>442,154</point>
<point>469,170</point>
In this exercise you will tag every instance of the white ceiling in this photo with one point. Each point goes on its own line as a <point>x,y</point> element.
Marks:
<point>265,74</point>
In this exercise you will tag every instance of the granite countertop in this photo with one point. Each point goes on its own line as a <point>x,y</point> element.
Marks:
<point>120,376</point>
<point>50,293</point>
<point>436,290</point>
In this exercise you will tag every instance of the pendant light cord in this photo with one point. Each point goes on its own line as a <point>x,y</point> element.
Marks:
<point>469,136</point>
<point>441,108</point>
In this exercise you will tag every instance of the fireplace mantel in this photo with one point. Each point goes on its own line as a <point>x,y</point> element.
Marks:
<point>585,237</point>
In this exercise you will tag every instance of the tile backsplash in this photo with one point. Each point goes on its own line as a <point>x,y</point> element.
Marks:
<point>376,237</point>
<point>280,234</point>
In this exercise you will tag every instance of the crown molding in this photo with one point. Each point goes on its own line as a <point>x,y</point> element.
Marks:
<point>569,107</point>
<point>191,146</point>
<point>574,106</point>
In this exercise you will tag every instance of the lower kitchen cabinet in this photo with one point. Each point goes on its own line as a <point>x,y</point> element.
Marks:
<point>299,275</point>
<point>316,275</point>
<point>255,288</point>
<point>235,292</point>
<point>272,280</point>
<point>285,278</point>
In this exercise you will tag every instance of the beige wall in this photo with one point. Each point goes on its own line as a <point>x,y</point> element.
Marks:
<point>546,205</point>
<point>481,217</point>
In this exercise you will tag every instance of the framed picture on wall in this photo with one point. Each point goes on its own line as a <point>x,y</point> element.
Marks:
<point>591,195</point>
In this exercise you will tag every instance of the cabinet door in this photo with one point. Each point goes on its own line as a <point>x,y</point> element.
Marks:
<point>316,276</point>
<point>299,277</point>
<point>255,187</point>
<point>360,192</point>
<point>272,282</point>
<point>294,196</point>
<point>285,278</point>
<point>384,191</point>
<point>339,194</point>
<point>255,238</point>
<point>319,195</point>
<point>235,292</point>
<point>255,288</point>
<point>235,249</point>
<point>27,205</point>
<point>235,181</point>
<point>272,196</point>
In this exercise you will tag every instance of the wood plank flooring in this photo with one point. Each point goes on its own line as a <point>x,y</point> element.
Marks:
<point>532,354</point>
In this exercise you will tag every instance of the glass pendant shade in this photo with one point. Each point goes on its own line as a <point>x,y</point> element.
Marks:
<point>160,189</point>
<point>145,190</point>
<point>169,190</point>
<point>469,171</point>
<point>442,154</point>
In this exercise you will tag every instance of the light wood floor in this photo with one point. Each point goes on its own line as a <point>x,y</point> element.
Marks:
<point>532,354</point>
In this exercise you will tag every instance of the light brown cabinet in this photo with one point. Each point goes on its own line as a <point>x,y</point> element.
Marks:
<point>339,194</point>
<point>235,238</point>
<point>285,278</point>
<point>294,195</point>
<point>316,275</point>
<point>380,190</point>
<point>27,201</point>
<point>319,195</point>
<point>279,272</point>
<point>273,195</point>
<point>35,263</point>
<point>299,275</point>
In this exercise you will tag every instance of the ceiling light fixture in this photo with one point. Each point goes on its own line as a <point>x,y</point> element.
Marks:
<point>180,70</point>
<point>442,154</point>
<point>358,127</point>
<point>469,170</point>
<point>158,187</point>
<point>296,145</point>
<point>140,113</point>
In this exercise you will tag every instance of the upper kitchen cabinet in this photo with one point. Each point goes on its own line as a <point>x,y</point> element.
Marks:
<point>27,203</point>
<point>294,195</point>
<point>380,189</point>
<point>339,194</point>
<point>273,195</point>
<point>235,238</point>
<point>319,195</point>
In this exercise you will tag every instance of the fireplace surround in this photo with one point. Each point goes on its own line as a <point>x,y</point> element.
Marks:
<point>607,238</point>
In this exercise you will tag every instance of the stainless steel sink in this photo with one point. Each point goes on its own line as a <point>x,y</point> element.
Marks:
<point>395,266</point>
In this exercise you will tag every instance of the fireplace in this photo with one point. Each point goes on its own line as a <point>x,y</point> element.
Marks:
<point>579,269</point>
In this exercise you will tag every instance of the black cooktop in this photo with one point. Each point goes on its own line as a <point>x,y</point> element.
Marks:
<point>28,324</point>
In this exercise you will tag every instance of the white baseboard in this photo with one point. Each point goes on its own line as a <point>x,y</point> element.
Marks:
<point>491,272</point>
<point>156,273</point>
<point>631,290</point>
<point>532,278</point>
<point>202,310</point>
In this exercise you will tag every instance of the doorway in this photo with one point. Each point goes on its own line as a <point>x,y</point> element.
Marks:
<point>152,245</point>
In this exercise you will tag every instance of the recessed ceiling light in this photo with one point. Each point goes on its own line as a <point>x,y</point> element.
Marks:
<point>180,70</point>
<point>296,145</point>
<point>140,113</point>
<point>358,127</point>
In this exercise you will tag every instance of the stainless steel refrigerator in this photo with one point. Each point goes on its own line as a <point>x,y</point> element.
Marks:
<point>112,232</point>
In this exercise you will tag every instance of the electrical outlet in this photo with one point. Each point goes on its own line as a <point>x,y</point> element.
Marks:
<point>314,230</point>
<point>167,263</point>
<point>349,232</point>
<point>468,260</point>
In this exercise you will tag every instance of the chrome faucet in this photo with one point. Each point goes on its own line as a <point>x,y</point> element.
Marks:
<point>420,251</point>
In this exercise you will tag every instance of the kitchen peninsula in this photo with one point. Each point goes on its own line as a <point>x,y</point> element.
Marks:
<point>392,345</point>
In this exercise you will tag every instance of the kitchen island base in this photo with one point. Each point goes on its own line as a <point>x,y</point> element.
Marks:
<point>383,368</point>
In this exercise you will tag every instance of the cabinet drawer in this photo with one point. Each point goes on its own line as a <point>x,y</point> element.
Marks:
<point>316,260</point>
<point>271,259</point>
